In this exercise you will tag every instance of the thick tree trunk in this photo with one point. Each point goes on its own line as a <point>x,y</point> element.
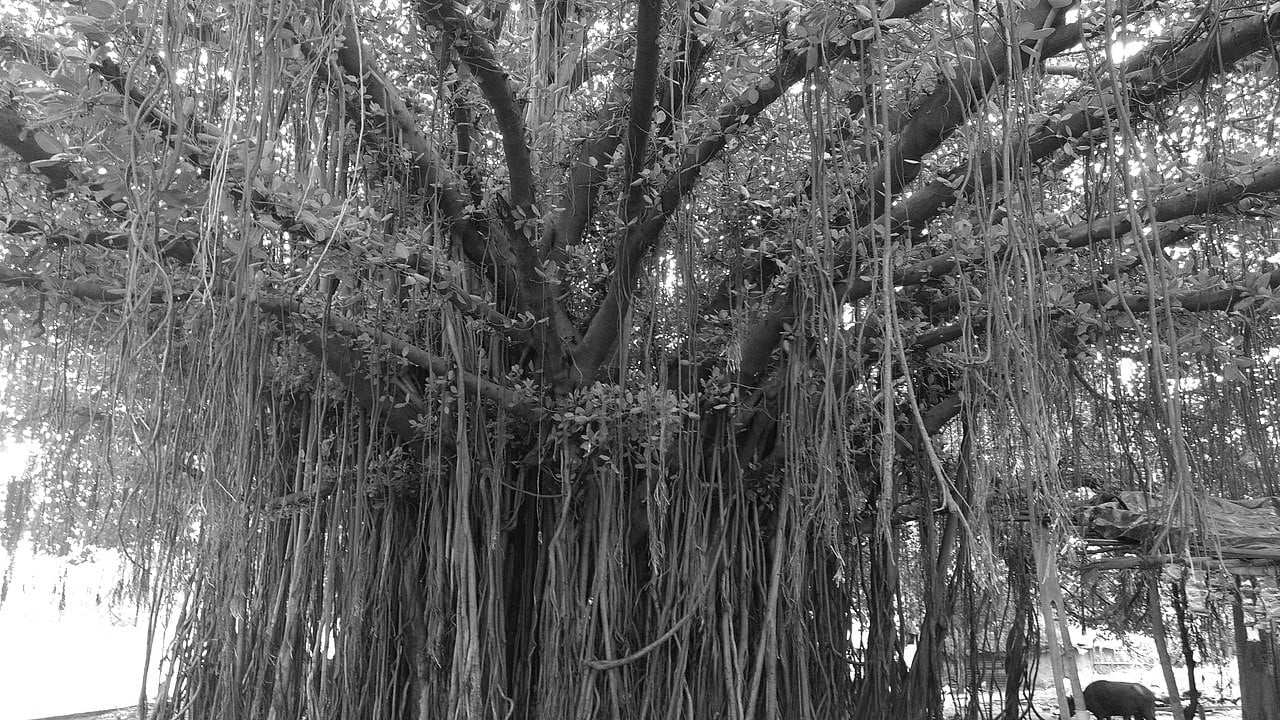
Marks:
<point>883,658</point>
<point>1015,652</point>
<point>923,690</point>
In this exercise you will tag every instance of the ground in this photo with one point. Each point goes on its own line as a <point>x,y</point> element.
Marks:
<point>1222,712</point>
<point>1046,708</point>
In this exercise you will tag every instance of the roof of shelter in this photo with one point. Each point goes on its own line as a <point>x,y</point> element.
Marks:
<point>1231,529</point>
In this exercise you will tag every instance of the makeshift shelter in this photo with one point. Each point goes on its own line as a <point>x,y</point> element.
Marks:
<point>1247,530</point>
<point>1231,550</point>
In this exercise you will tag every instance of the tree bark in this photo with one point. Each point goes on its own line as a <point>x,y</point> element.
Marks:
<point>1259,671</point>
<point>1156,617</point>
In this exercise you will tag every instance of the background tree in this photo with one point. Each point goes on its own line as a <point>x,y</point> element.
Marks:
<point>628,359</point>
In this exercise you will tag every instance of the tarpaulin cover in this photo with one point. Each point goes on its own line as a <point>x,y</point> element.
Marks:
<point>1245,529</point>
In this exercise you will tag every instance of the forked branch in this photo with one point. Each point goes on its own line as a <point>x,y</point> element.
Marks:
<point>641,234</point>
<point>476,51</point>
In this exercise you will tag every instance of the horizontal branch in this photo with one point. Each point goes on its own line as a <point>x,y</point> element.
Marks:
<point>1148,77</point>
<point>1262,179</point>
<point>479,308</point>
<point>341,358</point>
<point>179,247</point>
<point>1262,285</point>
<point>83,290</point>
<point>398,347</point>
<point>283,308</point>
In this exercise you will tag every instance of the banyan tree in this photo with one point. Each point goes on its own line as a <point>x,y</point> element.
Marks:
<point>581,358</point>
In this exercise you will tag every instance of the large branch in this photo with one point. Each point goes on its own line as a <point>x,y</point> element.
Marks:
<point>182,135</point>
<point>1209,197</point>
<point>644,88</point>
<point>1224,299</point>
<point>179,247</point>
<point>183,252</point>
<point>399,125</point>
<point>588,173</point>
<point>475,50</point>
<point>398,347</point>
<point>590,169</point>
<point>345,361</point>
<point>1147,78</point>
<point>892,121</point>
<point>81,290</point>
<point>1262,179</point>
<point>641,234</point>
<point>264,205</point>
<point>330,340</point>
<point>949,106</point>
<point>1153,76</point>
<point>505,248</point>
<point>261,205</point>
<point>936,118</point>
<point>15,136</point>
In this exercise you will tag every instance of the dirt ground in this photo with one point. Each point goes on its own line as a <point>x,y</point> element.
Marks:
<point>1210,712</point>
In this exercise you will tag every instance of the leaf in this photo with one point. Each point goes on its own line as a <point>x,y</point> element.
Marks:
<point>100,9</point>
<point>89,27</point>
<point>20,71</point>
<point>48,143</point>
<point>864,34</point>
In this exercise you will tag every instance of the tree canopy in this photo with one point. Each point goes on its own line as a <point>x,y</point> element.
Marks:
<point>603,359</point>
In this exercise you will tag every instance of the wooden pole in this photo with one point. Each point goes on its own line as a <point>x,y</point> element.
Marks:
<point>1156,618</point>
<point>1062,652</point>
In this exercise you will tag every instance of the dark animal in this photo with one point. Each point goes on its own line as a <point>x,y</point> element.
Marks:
<point>1106,698</point>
